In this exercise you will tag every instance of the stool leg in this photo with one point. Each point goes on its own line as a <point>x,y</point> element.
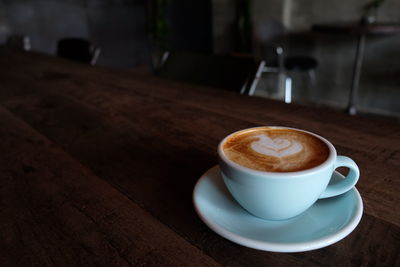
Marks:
<point>312,76</point>
<point>352,105</point>
<point>313,81</point>
<point>288,90</point>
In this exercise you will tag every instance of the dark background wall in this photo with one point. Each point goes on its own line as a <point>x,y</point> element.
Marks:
<point>190,23</point>
<point>117,26</point>
<point>379,89</point>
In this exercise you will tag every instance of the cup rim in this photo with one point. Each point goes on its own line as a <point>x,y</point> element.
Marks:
<point>331,158</point>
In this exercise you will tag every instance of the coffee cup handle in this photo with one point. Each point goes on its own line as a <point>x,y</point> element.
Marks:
<point>346,184</point>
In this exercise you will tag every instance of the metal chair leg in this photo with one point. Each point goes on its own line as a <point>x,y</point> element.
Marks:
<point>312,76</point>
<point>288,90</point>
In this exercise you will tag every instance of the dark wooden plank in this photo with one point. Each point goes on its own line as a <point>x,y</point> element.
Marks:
<point>56,212</point>
<point>255,110</point>
<point>123,160</point>
<point>375,145</point>
<point>121,128</point>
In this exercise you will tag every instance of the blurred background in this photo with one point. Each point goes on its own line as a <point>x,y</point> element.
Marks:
<point>137,33</point>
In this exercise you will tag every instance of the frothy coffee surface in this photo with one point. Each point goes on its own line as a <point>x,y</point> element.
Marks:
<point>276,150</point>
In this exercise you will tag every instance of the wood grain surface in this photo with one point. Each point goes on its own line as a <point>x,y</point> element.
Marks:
<point>98,168</point>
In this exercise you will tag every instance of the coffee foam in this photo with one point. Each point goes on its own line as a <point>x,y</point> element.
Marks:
<point>276,147</point>
<point>276,150</point>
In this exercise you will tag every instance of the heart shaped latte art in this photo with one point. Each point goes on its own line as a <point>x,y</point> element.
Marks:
<point>277,147</point>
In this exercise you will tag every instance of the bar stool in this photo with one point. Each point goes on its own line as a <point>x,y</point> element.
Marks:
<point>270,37</point>
<point>22,42</point>
<point>78,49</point>
<point>234,73</point>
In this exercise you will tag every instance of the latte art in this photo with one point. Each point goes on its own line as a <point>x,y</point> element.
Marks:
<point>275,149</point>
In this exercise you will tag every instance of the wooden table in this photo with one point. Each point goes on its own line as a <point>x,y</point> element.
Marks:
<point>361,31</point>
<point>98,168</point>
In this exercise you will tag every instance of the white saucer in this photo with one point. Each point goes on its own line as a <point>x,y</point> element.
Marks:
<point>326,222</point>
